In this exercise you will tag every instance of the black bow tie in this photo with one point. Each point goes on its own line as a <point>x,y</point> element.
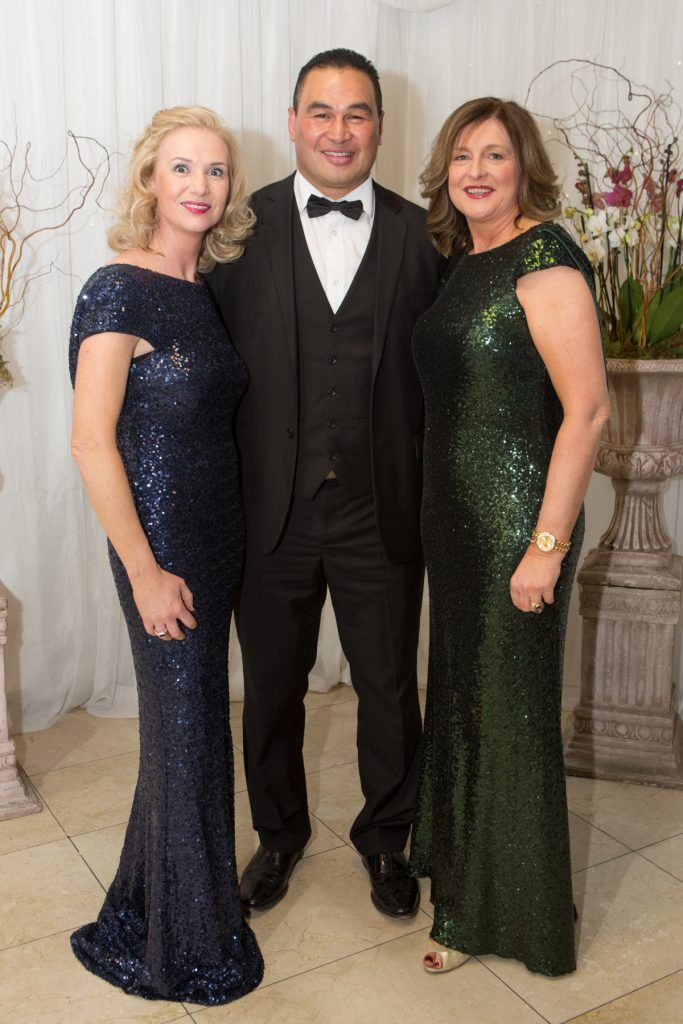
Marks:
<point>318,206</point>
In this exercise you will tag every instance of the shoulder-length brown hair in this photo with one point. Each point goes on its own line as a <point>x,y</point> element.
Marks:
<point>538,196</point>
<point>137,218</point>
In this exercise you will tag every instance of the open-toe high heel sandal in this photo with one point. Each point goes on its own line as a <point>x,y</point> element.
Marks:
<point>441,959</point>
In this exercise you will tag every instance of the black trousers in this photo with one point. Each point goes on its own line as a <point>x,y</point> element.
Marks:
<point>330,541</point>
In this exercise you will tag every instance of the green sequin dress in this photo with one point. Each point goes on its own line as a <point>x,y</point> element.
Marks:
<point>491,828</point>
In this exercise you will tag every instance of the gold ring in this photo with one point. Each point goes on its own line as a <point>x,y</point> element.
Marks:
<point>162,634</point>
<point>537,608</point>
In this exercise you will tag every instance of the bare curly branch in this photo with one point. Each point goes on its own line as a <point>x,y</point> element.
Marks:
<point>19,190</point>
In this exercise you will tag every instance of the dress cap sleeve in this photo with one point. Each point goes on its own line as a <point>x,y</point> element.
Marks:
<point>112,300</point>
<point>549,245</point>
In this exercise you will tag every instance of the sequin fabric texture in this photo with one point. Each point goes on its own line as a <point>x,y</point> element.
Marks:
<point>171,925</point>
<point>491,828</point>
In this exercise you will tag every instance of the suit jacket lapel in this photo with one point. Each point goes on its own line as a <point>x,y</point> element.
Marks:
<point>277,222</point>
<point>391,238</point>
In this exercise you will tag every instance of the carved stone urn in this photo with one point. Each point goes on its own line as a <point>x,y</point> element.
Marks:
<point>17,795</point>
<point>626,725</point>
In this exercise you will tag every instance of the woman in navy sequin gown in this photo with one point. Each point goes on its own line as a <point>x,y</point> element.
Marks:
<point>156,386</point>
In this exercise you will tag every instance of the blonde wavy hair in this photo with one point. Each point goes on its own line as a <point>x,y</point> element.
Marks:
<point>136,210</point>
<point>539,192</point>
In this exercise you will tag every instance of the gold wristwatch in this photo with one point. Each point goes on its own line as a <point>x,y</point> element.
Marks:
<point>547,542</point>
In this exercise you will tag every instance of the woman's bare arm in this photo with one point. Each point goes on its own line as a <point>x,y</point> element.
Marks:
<point>564,326</point>
<point>101,377</point>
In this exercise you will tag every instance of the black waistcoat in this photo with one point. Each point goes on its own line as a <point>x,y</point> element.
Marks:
<point>335,374</point>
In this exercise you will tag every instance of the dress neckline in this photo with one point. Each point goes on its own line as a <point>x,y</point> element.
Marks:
<point>515,238</point>
<point>156,273</point>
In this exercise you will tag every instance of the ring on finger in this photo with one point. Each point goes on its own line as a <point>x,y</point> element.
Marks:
<point>161,633</point>
<point>536,608</point>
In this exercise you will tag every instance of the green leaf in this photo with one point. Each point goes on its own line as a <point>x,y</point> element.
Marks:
<point>668,318</point>
<point>654,305</point>
<point>630,302</point>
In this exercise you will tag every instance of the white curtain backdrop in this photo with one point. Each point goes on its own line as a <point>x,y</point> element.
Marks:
<point>101,68</point>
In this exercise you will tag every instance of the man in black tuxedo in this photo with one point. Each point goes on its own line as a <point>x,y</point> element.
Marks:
<point>321,307</point>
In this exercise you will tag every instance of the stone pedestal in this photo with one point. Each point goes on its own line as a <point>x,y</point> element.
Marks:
<point>626,725</point>
<point>17,795</point>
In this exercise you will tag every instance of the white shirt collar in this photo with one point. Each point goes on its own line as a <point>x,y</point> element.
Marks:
<point>365,192</point>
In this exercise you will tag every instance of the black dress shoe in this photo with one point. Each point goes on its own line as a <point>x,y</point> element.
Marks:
<point>265,879</point>
<point>392,889</point>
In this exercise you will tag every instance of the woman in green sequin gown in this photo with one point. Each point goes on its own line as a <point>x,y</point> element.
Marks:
<point>494,357</point>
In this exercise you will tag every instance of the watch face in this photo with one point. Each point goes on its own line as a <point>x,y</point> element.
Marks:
<point>545,541</point>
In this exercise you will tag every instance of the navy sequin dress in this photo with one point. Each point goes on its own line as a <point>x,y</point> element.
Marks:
<point>171,925</point>
<point>491,828</point>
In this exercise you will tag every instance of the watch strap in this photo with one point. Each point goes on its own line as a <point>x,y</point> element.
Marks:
<point>559,545</point>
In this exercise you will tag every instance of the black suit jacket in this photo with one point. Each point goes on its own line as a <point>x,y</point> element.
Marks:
<point>255,296</point>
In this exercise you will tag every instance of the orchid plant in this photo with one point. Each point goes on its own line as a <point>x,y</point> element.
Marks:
<point>629,217</point>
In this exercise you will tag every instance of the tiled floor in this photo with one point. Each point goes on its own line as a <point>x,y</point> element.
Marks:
<point>331,958</point>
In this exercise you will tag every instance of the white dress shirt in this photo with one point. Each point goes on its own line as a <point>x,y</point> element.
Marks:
<point>336,243</point>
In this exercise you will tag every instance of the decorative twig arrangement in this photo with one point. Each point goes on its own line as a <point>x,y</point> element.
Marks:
<point>21,223</point>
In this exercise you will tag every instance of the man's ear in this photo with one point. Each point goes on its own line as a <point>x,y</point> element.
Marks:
<point>291,122</point>
<point>381,127</point>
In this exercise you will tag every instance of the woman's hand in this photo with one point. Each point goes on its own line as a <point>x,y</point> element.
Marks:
<point>534,579</point>
<point>164,602</point>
